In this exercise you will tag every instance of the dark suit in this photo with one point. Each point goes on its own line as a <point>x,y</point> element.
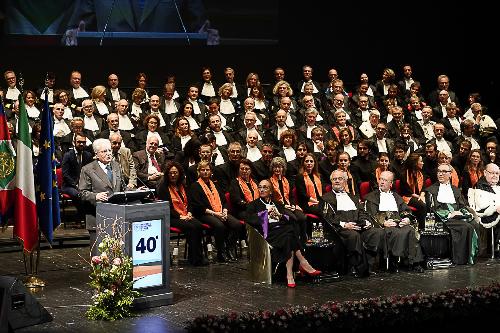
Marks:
<point>109,96</point>
<point>141,165</point>
<point>159,16</point>
<point>71,169</point>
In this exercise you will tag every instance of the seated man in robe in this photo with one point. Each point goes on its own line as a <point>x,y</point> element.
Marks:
<point>353,226</point>
<point>447,203</point>
<point>390,212</point>
<point>485,200</point>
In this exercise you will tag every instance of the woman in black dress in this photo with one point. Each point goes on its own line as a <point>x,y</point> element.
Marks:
<point>171,188</point>
<point>270,218</point>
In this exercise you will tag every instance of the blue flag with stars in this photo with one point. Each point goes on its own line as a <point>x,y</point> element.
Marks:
<point>47,196</point>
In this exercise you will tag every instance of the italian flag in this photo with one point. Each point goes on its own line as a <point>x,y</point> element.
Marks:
<point>25,226</point>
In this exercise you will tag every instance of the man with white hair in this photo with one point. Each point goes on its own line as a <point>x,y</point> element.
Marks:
<point>485,200</point>
<point>390,212</point>
<point>369,128</point>
<point>353,226</point>
<point>446,202</point>
<point>98,180</point>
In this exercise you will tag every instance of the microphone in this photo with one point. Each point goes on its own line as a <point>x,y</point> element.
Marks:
<point>182,22</point>
<point>150,190</point>
<point>107,21</point>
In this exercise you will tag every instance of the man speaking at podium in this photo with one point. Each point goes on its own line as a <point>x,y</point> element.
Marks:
<point>139,15</point>
<point>98,180</point>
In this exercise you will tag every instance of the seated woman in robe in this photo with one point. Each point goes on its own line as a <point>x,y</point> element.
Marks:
<point>270,219</point>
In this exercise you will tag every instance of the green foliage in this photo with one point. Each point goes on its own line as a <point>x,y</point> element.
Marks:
<point>111,279</point>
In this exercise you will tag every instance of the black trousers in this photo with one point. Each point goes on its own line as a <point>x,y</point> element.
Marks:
<point>194,232</point>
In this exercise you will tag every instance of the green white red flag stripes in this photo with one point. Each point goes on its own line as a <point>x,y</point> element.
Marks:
<point>25,217</point>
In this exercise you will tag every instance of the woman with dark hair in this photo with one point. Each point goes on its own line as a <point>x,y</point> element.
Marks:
<point>151,124</point>
<point>209,206</point>
<point>243,189</point>
<point>261,103</point>
<point>473,171</point>
<point>293,166</point>
<point>412,186</point>
<point>194,120</point>
<point>383,164</point>
<point>190,155</point>
<point>309,186</point>
<point>171,188</point>
<point>182,134</point>
<point>142,81</point>
<point>207,87</point>
<point>271,219</point>
<point>62,96</point>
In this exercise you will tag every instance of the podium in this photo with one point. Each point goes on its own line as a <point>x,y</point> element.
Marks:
<point>93,38</point>
<point>147,239</point>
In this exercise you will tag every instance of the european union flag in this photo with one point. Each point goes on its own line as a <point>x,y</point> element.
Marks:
<point>47,197</point>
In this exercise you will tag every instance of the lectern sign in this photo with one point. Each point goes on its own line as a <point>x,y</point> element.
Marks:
<point>147,254</point>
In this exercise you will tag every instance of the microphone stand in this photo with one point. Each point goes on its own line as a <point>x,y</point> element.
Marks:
<point>150,191</point>
<point>182,22</point>
<point>107,21</point>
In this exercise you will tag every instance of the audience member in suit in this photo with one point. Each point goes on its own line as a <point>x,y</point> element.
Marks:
<point>199,108</point>
<point>317,143</point>
<point>98,180</point>
<point>430,161</point>
<point>221,136</point>
<point>205,154</point>
<point>443,84</point>
<point>364,160</point>
<point>123,156</point>
<point>151,122</point>
<point>219,154</point>
<point>148,163</point>
<point>239,91</point>
<point>72,163</point>
<point>186,112</point>
<point>67,142</point>
<point>459,160</point>
<point>224,173</point>
<point>113,121</point>
<point>243,190</point>
<point>352,171</point>
<point>249,125</point>
<point>328,164</point>
<point>113,93</point>
<point>407,80</point>
<point>262,167</point>
<point>207,88</point>
<point>93,124</point>
<point>169,107</point>
<point>380,143</point>
<point>307,73</point>
<point>182,134</point>
<point>77,93</point>
<point>262,120</point>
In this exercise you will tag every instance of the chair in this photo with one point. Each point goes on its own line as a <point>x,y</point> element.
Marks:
<point>64,198</point>
<point>308,215</point>
<point>364,189</point>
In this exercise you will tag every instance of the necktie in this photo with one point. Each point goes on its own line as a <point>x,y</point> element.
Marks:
<point>155,163</point>
<point>109,172</point>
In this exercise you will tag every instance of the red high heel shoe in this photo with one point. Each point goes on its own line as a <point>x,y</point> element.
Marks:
<point>290,285</point>
<point>313,273</point>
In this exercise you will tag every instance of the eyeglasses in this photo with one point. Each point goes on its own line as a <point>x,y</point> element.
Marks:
<point>443,171</point>
<point>493,172</point>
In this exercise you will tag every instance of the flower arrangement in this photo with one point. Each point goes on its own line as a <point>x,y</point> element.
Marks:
<point>111,279</point>
<point>456,308</point>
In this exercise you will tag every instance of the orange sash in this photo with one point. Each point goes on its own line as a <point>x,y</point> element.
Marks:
<point>474,177</point>
<point>246,190</point>
<point>454,178</point>
<point>212,195</point>
<point>180,203</point>
<point>281,198</point>
<point>310,187</point>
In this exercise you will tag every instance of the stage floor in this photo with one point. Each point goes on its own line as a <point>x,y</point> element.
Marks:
<point>216,289</point>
